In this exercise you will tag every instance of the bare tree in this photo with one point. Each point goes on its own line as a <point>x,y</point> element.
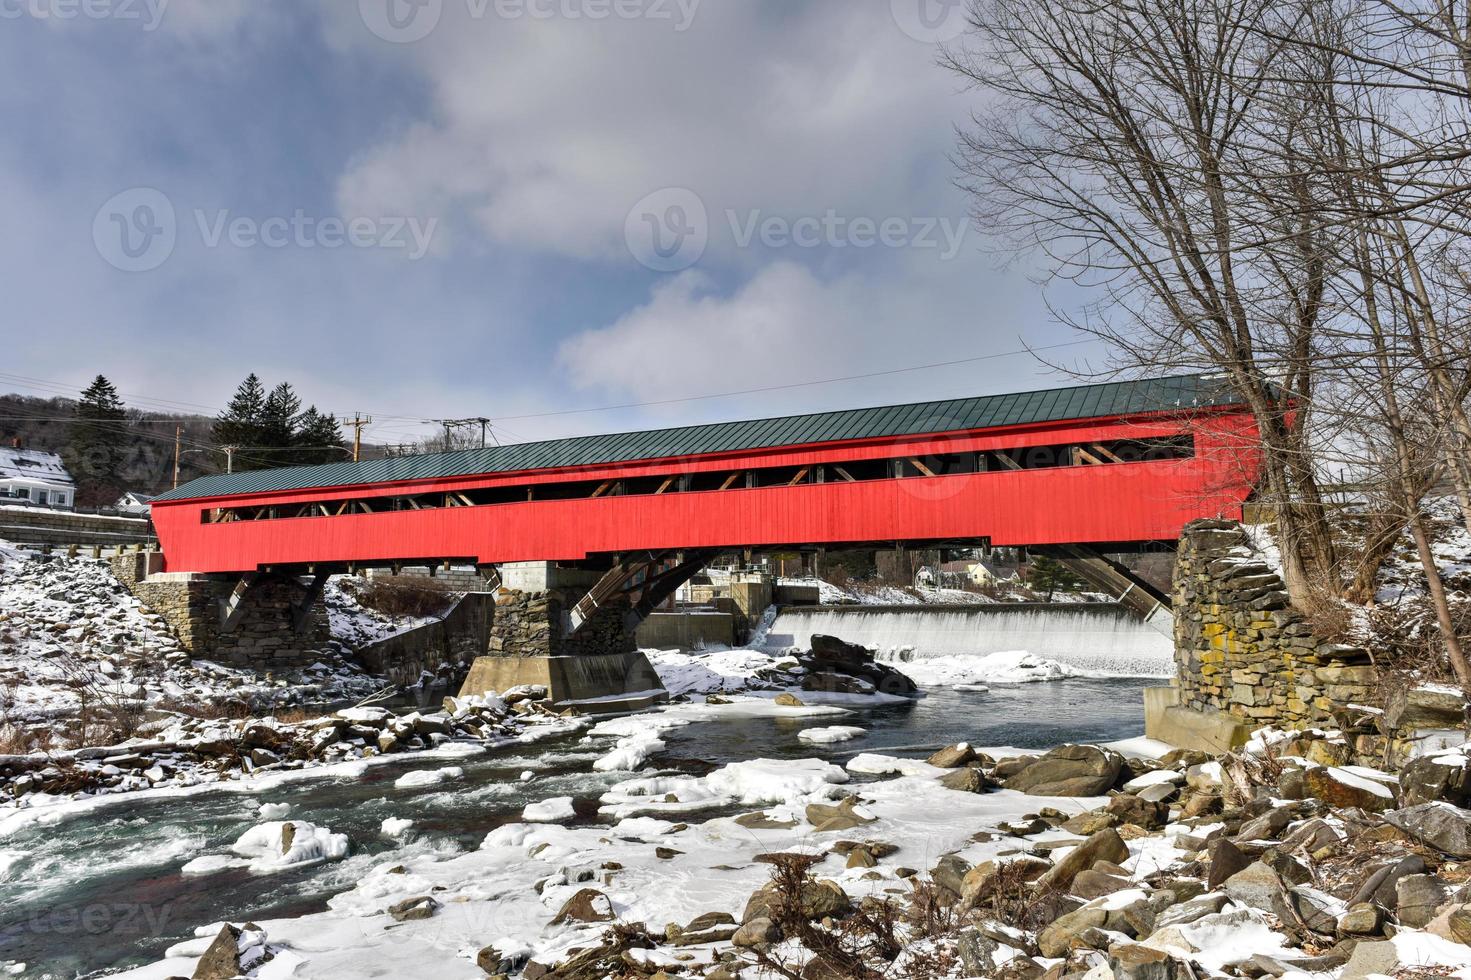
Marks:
<point>1124,142</point>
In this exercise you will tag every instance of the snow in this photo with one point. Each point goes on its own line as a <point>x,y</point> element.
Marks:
<point>1006,667</point>
<point>833,733</point>
<point>264,848</point>
<point>1361,781</point>
<point>1220,940</point>
<point>395,826</point>
<point>358,626</point>
<point>554,810</point>
<point>1153,779</point>
<point>638,742</point>
<point>708,671</point>
<point>777,780</point>
<point>274,811</point>
<point>428,777</point>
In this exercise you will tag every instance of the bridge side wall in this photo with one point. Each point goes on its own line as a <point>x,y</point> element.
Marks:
<point>1240,652</point>
<point>530,624</point>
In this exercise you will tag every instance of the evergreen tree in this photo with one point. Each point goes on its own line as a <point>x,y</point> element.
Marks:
<point>240,423</point>
<point>319,438</point>
<point>97,444</point>
<point>280,419</point>
<point>1050,575</point>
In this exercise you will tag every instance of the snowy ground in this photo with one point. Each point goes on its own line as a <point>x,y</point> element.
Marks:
<point>69,631</point>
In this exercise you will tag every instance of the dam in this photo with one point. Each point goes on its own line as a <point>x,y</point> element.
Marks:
<point>1099,638</point>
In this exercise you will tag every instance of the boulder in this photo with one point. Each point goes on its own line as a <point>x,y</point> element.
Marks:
<point>1226,859</point>
<point>980,882</point>
<point>1134,962</point>
<point>1187,912</point>
<point>1439,825</point>
<point>949,874</point>
<point>1256,886</point>
<point>1106,845</point>
<point>1138,812</point>
<point>1430,778</point>
<point>953,756</point>
<point>1070,770</point>
<point>1090,884</point>
<point>977,952</point>
<point>1379,887</point>
<point>788,700</point>
<point>818,900</point>
<point>1267,826</point>
<point>1360,920</point>
<point>759,931</point>
<point>1427,707</point>
<point>1371,959</point>
<point>1453,924</point>
<point>965,781</point>
<point>587,905</point>
<point>1341,788</point>
<point>221,961</point>
<point>414,909</point>
<point>1058,937</point>
<point>496,963</point>
<point>1417,897</point>
<point>843,816</point>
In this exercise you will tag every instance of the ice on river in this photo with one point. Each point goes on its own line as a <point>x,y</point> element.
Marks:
<point>833,733</point>
<point>272,847</point>
<point>428,777</point>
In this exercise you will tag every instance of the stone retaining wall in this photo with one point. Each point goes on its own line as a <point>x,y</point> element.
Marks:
<point>530,624</point>
<point>1240,649</point>
<point>59,528</point>
<point>444,649</point>
<point>264,638</point>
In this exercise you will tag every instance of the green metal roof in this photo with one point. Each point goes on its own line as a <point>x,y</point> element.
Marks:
<point>959,414</point>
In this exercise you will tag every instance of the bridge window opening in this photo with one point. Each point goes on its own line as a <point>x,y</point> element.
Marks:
<point>851,471</point>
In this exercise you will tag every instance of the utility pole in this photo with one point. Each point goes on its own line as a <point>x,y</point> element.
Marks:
<point>357,424</point>
<point>484,424</point>
<point>229,452</point>
<point>178,439</point>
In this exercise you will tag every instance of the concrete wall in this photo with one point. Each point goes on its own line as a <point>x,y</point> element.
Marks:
<point>444,649</point>
<point>450,579</point>
<point>686,630</point>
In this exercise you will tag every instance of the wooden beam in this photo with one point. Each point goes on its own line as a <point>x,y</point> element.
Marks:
<point>921,467</point>
<point>1087,457</point>
<point>607,485</point>
<point>1101,450</point>
<point>847,477</point>
<point>665,485</point>
<point>1008,462</point>
<point>730,480</point>
<point>801,475</point>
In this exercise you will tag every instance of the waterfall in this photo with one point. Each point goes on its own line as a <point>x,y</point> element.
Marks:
<point>1094,638</point>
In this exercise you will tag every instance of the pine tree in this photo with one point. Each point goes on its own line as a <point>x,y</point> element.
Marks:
<point>240,423</point>
<point>97,443</point>
<point>1050,576</point>
<point>319,438</point>
<point>280,419</point>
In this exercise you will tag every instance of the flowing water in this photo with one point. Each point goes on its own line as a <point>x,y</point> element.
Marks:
<point>1096,638</point>
<point>104,890</point>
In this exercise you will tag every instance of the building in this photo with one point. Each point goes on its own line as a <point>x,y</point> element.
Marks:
<point>134,504</point>
<point>35,477</point>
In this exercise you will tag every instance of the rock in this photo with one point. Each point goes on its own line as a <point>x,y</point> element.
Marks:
<point>496,963</point>
<point>1205,776</point>
<point>1267,826</point>
<point>759,931</point>
<point>1070,770</point>
<point>1106,845</point>
<point>1090,822</point>
<point>1439,825</point>
<point>1159,793</point>
<point>712,927</point>
<point>859,857</point>
<point>1424,780</point>
<point>787,700</point>
<point>818,900</point>
<point>1379,887</point>
<point>1310,837</point>
<point>1199,805</point>
<point>1007,768</point>
<point>953,757</point>
<point>221,961</point>
<point>1425,708</point>
<point>1371,959</point>
<point>1319,912</point>
<point>965,781</point>
<point>949,874</point>
<point>587,905</point>
<point>1417,897</point>
<point>980,882</point>
<point>1226,859</point>
<point>843,816</point>
<point>413,909</point>
<point>1288,868</point>
<point>1256,886</point>
<point>1135,962</point>
<point>760,821</point>
<point>1340,788</point>
<point>1453,924</point>
<point>1057,938</point>
<point>1186,912</point>
<point>1360,920</point>
<point>977,952</point>
<point>1090,884</point>
<point>1138,812</point>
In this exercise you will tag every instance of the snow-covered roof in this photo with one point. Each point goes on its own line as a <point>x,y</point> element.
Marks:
<point>134,497</point>
<point>33,464</point>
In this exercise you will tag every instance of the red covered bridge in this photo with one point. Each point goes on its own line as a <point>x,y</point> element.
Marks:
<point>1108,465</point>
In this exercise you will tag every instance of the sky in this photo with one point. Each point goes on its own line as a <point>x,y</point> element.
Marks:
<point>531,210</point>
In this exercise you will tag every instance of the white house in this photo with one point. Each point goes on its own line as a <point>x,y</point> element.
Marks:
<point>36,477</point>
<point>133,503</point>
